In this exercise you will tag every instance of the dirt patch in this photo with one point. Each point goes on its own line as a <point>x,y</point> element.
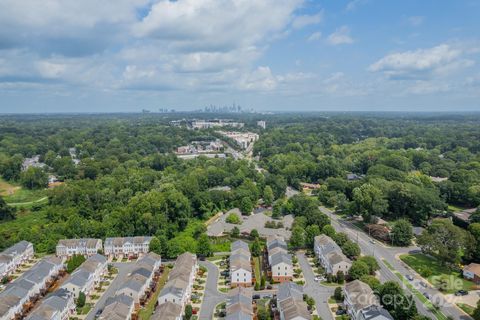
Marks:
<point>6,189</point>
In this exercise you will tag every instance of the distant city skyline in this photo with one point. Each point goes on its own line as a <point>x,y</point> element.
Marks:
<point>270,55</point>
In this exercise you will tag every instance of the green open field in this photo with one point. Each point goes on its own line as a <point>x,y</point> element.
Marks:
<point>435,272</point>
<point>15,195</point>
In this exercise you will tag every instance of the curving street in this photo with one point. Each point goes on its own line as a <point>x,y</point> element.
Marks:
<point>212,296</point>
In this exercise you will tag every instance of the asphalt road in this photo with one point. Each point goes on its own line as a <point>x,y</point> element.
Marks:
<point>319,293</point>
<point>389,254</point>
<point>123,270</point>
<point>212,296</point>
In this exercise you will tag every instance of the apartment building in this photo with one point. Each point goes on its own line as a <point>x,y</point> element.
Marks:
<point>127,246</point>
<point>85,247</point>
<point>59,305</point>
<point>240,265</point>
<point>330,255</point>
<point>168,311</point>
<point>29,287</point>
<point>290,302</point>
<point>361,303</point>
<point>139,282</point>
<point>120,307</point>
<point>178,288</point>
<point>239,304</point>
<point>279,260</point>
<point>87,275</point>
<point>11,258</point>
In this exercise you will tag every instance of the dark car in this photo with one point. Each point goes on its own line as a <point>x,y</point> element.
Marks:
<point>339,312</point>
<point>256,297</point>
<point>461,293</point>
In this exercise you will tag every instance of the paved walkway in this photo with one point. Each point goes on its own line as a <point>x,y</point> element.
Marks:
<point>319,293</point>
<point>212,296</point>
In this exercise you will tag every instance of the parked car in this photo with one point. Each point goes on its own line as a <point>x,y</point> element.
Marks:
<point>269,287</point>
<point>426,295</point>
<point>409,277</point>
<point>319,278</point>
<point>339,312</point>
<point>461,293</point>
<point>423,284</point>
<point>256,297</point>
<point>372,241</point>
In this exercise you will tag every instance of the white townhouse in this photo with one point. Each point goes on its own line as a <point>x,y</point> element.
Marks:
<point>140,280</point>
<point>361,303</point>
<point>290,302</point>
<point>178,288</point>
<point>87,275</point>
<point>239,304</point>
<point>127,246</point>
<point>85,247</point>
<point>120,307</point>
<point>330,255</point>
<point>28,287</point>
<point>240,265</point>
<point>14,256</point>
<point>281,267</point>
<point>279,260</point>
<point>57,306</point>
<point>168,311</point>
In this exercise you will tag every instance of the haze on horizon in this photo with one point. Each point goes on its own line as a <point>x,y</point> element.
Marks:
<point>277,55</point>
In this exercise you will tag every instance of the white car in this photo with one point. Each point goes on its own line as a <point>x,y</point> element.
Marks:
<point>319,278</point>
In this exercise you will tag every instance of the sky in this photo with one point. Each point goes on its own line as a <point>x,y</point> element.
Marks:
<point>268,55</point>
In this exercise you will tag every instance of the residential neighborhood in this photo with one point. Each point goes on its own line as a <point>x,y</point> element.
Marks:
<point>11,258</point>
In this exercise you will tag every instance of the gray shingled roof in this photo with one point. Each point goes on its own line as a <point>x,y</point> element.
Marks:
<point>289,289</point>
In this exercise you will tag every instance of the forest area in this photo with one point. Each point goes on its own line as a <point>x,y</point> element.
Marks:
<point>127,181</point>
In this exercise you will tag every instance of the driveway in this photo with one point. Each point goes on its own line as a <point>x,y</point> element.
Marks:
<point>123,270</point>
<point>254,221</point>
<point>212,296</point>
<point>319,293</point>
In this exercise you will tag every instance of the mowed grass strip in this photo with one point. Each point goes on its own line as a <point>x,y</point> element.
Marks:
<point>431,269</point>
<point>147,311</point>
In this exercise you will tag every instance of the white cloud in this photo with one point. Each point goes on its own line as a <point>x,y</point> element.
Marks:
<point>352,5</point>
<point>306,20</point>
<point>340,36</point>
<point>260,79</point>
<point>315,36</point>
<point>421,63</point>
<point>210,25</point>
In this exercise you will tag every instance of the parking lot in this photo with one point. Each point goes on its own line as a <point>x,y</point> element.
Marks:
<point>254,221</point>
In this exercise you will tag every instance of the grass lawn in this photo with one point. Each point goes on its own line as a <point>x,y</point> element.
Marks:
<point>25,195</point>
<point>147,311</point>
<point>468,309</point>
<point>455,208</point>
<point>85,309</point>
<point>217,257</point>
<point>258,273</point>
<point>221,245</point>
<point>7,188</point>
<point>435,272</point>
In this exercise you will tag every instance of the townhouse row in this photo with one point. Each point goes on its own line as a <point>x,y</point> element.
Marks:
<point>60,305</point>
<point>239,304</point>
<point>135,290</point>
<point>362,304</point>
<point>20,295</point>
<point>279,260</point>
<point>290,304</point>
<point>176,293</point>
<point>11,258</point>
<point>113,247</point>
<point>240,265</point>
<point>331,256</point>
